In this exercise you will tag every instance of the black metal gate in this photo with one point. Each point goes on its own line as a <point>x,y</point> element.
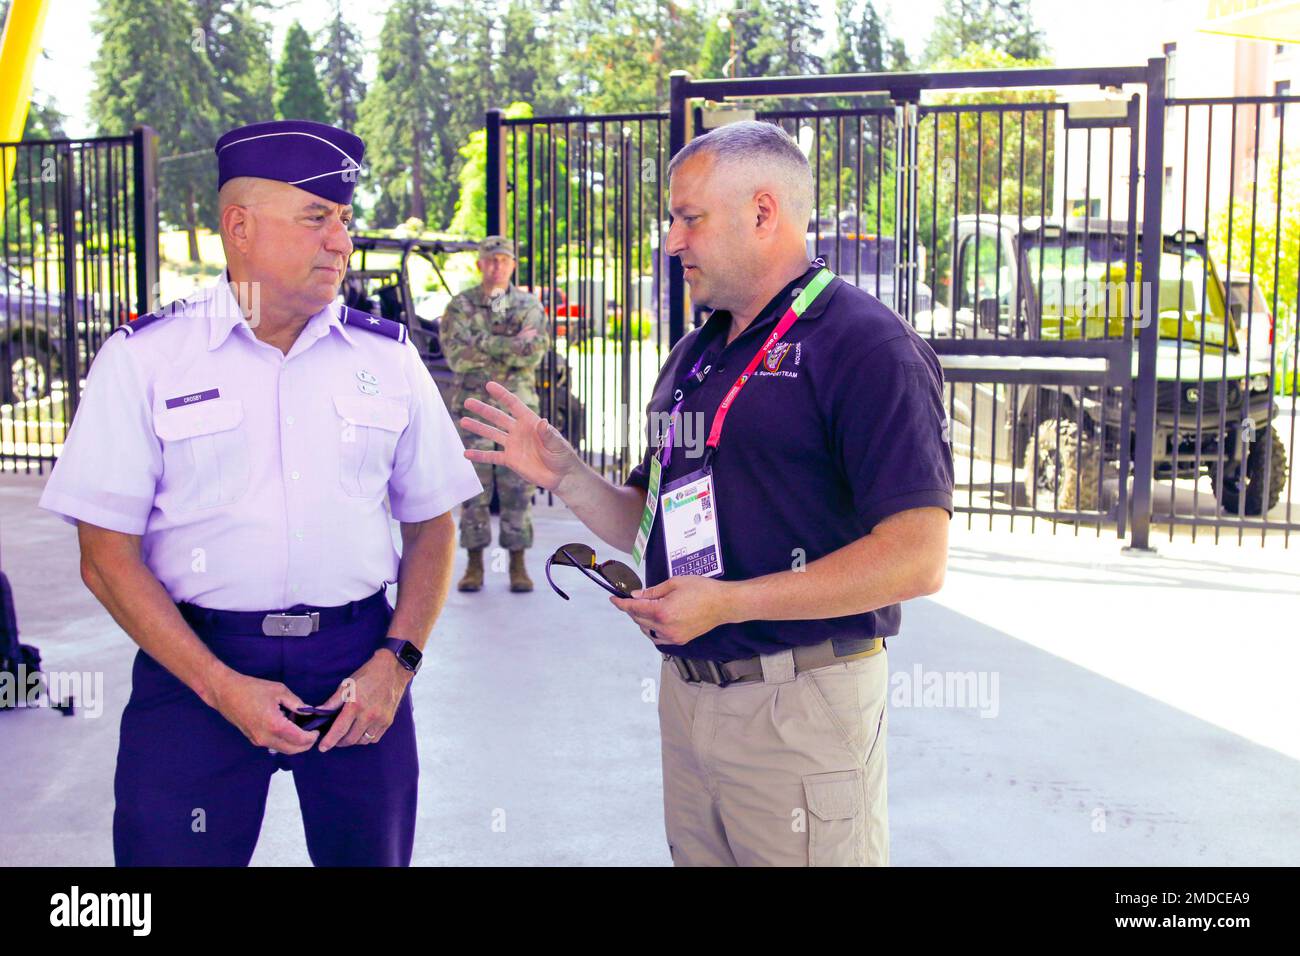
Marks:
<point>1226,439</point>
<point>1024,222</point>
<point>582,197</point>
<point>79,256</point>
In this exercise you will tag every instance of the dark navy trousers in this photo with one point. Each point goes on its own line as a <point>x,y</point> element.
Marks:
<point>191,789</point>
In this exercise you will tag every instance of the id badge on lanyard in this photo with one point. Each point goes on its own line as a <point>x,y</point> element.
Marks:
<point>690,504</point>
<point>691,525</point>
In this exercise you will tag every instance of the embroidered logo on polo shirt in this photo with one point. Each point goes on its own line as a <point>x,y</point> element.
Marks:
<point>772,364</point>
<point>774,357</point>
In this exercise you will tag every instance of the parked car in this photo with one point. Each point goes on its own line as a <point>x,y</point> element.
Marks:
<point>1252,314</point>
<point>557,306</point>
<point>1007,276</point>
<point>32,328</point>
<point>867,261</point>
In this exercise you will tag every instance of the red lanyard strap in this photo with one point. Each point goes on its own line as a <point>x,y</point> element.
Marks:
<point>800,305</point>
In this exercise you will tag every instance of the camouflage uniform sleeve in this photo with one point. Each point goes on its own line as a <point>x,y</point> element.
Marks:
<point>529,352</point>
<point>456,334</point>
<point>525,349</point>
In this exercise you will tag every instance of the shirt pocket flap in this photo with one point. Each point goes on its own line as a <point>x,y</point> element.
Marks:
<point>202,418</point>
<point>372,412</point>
<point>834,796</point>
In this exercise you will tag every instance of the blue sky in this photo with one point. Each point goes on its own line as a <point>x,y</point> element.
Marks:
<point>1078,34</point>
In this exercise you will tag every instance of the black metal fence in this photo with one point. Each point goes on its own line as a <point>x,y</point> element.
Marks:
<point>1228,441</point>
<point>78,256</point>
<point>1102,371</point>
<point>583,200</point>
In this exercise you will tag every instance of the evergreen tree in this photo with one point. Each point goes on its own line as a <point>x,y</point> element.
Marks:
<point>338,60</point>
<point>44,120</point>
<point>237,45</point>
<point>861,39</point>
<point>297,88</point>
<point>628,48</point>
<point>150,68</point>
<point>1006,25</point>
<point>403,109</point>
<point>768,37</point>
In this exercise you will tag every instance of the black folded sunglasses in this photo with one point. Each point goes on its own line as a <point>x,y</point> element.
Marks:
<point>614,576</point>
<point>312,718</point>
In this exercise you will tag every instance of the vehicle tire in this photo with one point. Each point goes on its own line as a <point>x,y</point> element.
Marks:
<point>1050,479</point>
<point>1229,496</point>
<point>25,371</point>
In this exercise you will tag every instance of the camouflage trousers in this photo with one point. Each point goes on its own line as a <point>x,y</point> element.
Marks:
<point>513,492</point>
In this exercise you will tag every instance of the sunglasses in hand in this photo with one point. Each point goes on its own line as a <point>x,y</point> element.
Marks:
<point>614,576</point>
<point>312,718</point>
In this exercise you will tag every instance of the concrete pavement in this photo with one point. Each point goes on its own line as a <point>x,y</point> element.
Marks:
<point>1058,703</point>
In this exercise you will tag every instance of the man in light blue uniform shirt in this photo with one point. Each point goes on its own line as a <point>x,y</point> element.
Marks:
<point>231,470</point>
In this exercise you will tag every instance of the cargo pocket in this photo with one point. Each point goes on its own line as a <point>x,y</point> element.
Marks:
<point>368,431</point>
<point>836,828</point>
<point>205,453</point>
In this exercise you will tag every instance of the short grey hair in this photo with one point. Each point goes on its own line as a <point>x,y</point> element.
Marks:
<point>762,147</point>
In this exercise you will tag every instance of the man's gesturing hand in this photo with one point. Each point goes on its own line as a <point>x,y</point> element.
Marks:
<point>530,446</point>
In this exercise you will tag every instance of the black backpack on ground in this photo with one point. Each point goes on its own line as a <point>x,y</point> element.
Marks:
<point>14,654</point>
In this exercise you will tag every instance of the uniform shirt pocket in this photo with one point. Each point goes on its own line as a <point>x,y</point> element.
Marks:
<point>369,427</point>
<point>205,453</point>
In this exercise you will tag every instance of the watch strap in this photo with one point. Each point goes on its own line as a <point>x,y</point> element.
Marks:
<point>403,650</point>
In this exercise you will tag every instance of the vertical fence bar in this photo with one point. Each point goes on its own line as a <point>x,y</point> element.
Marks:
<point>1148,340</point>
<point>496,175</point>
<point>679,84</point>
<point>145,171</point>
<point>66,198</point>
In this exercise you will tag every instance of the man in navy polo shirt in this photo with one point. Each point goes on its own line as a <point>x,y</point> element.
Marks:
<point>778,551</point>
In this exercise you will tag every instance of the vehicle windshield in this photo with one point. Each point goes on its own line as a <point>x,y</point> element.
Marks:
<point>1083,289</point>
<point>1247,293</point>
<point>849,254</point>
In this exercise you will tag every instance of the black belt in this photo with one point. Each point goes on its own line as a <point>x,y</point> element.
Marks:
<point>750,669</point>
<point>297,621</point>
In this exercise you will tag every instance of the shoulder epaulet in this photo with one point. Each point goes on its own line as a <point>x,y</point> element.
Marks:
<point>355,318</point>
<point>149,318</point>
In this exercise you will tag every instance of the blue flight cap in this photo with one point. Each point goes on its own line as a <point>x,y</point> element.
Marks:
<point>321,159</point>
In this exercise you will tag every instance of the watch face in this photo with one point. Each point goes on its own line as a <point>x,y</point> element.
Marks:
<point>410,656</point>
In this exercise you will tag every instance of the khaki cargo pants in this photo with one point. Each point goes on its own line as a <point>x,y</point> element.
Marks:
<point>787,771</point>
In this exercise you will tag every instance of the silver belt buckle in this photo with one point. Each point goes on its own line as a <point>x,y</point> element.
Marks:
<point>290,625</point>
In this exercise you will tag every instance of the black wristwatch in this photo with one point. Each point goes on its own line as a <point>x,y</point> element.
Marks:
<point>408,655</point>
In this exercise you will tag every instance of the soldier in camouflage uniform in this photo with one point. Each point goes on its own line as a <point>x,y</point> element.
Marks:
<point>494,332</point>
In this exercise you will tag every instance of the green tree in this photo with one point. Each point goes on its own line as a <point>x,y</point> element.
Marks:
<point>470,218</point>
<point>626,50</point>
<point>151,68</point>
<point>1005,25</point>
<point>297,88</point>
<point>1254,222</point>
<point>525,63</point>
<point>977,166</point>
<point>863,41</point>
<point>758,38</point>
<point>44,120</point>
<point>338,62</point>
<point>403,108</point>
<point>237,45</point>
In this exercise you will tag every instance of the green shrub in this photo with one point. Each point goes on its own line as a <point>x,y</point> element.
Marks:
<point>642,326</point>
